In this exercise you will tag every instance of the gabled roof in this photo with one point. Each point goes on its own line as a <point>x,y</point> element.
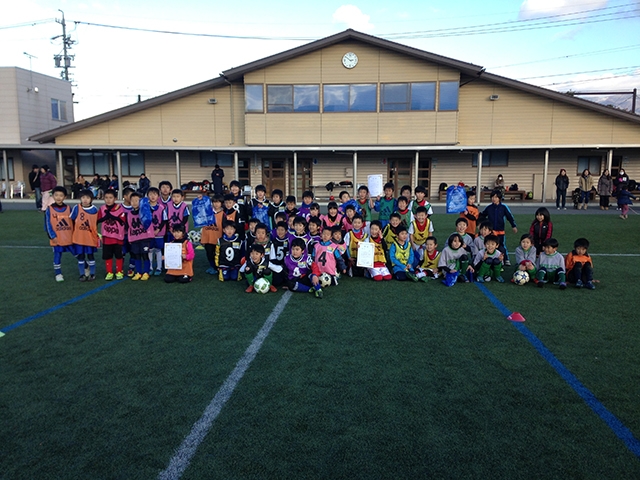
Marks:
<point>237,75</point>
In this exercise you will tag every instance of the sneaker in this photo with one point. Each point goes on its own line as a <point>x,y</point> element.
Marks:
<point>272,289</point>
<point>87,272</point>
<point>83,278</point>
<point>558,208</point>
<point>590,286</point>
<point>145,276</point>
<point>319,293</point>
<point>119,276</point>
<point>412,276</point>
<point>436,276</point>
<point>137,276</point>
<point>564,208</point>
<point>249,289</point>
<point>499,279</point>
<point>91,278</point>
<point>334,280</point>
<point>540,284</point>
<point>480,280</point>
<point>130,273</point>
<point>211,271</point>
<point>563,285</point>
<point>109,276</point>
<point>507,263</point>
<point>579,284</point>
<point>157,273</point>
<point>59,278</point>
<point>424,279</point>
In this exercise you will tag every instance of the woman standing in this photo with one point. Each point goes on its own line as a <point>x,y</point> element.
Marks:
<point>562,184</point>
<point>586,185</point>
<point>605,188</point>
<point>47,183</point>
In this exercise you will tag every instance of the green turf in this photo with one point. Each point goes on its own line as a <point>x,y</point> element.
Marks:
<point>374,381</point>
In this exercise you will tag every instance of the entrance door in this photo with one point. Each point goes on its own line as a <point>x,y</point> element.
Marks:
<point>305,176</point>
<point>399,172</point>
<point>273,174</point>
<point>616,165</point>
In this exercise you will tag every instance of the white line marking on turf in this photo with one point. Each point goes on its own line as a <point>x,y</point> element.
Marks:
<point>183,455</point>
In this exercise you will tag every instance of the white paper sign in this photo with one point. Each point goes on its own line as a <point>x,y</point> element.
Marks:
<point>173,256</point>
<point>374,182</point>
<point>366,253</point>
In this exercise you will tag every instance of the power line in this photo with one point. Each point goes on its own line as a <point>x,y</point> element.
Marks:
<point>27,24</point>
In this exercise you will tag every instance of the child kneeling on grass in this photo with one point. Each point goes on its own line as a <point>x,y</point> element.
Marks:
<point>551,265</point>
<point>488,261</point>
<point>429,265</point>
<point>257,267</point>
<point>302,271</point>
<point>401,256</point>
<point>454,261</point>
<point>579,265</point>
<point>184,274</point>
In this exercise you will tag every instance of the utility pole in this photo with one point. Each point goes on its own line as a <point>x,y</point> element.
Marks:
<point>64,61</point>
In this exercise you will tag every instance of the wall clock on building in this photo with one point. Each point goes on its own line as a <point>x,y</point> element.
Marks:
<point>350,60</point>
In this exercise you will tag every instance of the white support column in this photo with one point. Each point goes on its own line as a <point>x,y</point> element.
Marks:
<point>60,169</point>
<point>415,169</point>
<point>355,174</point>
<point>119,173</point>
<point>295,174</point>
<point>545,172</point>
<point>609,160</point>
<point>179,182</point>
<point>479,179</point>
<point>5,170</point>
<point>236,171</point>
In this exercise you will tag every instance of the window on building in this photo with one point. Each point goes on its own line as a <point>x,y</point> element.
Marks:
<point>3,175</point>
<point>211,159</point>
<point>91,163</point>
<point>58,110</point>
<point>408,96</point>
<point>243,171</point>
<point>293,98</point>
<point>350,98</point>
<point>593,164</point>
<point>492,158</point>
<point>448,98</point>
<point>253,98</point>
<point>132,164</point>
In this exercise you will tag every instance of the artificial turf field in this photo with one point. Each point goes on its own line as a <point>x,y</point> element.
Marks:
<point>392,380</point>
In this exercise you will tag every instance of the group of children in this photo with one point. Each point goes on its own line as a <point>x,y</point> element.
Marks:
<point>297,247</point>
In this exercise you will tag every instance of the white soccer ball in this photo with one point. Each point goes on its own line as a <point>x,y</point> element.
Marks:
<point>325,280</point>
<point>520,277</point>
<point>261,285</point>
<point>195,236</point>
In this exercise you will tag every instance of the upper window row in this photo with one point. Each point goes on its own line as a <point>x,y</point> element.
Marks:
<point>394,97</point>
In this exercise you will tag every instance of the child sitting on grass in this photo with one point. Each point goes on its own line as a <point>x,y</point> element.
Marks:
<point>401,256</point>
<point>184,274</point>
<point>301,270</point>
<point>488,261</point>
<point>526,256</point>
<point>551,265</point>
<point>257,267</point>
<point>454,261</point>
<point>229,253</point>
<point>379,271</point>
<point>579,265</point>
<point>353,240</point>
<point>328,258</point>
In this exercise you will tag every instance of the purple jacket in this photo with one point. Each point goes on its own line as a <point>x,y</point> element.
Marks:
<point>48,182</point>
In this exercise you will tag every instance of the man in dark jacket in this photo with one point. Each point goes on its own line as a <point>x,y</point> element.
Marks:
<point>34,182</point>
<point>216,178</point>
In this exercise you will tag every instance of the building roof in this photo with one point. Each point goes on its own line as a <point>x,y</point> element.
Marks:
<point>237,75</point>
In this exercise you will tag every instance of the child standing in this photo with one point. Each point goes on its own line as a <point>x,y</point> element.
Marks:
<point>471,213</point>
<point>184,274</point>
<point>387,205</point>
<point>496,212</point>
<point>406,217</point>
<point>59,227</point>
<point>551,265</point>
<point>624,200</point>
<point>140,234</point>
<point>488,261</point>
<point>364,205</point>
<point>260,205</point>
<point>210,234</point>
<point>526,255</point>
<point>229,253</point>
<point>333,217</point>
<point>307,200</point>
<point>291,210</point>
<point>541,228</point>
<point>113,219</point>
<point>421,201</point>
<point>160,221</point>
<point>178,211</point>
<point>85,235</point>
<point>277,205</point>
<point>165,191</point>
<point>401,256</point>
<point>579,265</point>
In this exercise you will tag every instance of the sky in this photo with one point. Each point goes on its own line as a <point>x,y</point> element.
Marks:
<point>563,45</point>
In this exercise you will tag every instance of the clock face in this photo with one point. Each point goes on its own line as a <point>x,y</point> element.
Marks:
<point>350,60</point>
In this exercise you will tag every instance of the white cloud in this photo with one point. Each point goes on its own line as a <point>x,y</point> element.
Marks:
<point>353,17</point>
<point>539,8</point>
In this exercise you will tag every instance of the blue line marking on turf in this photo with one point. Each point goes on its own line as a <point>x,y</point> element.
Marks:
<point>621,431</point>
<point>57,307</point>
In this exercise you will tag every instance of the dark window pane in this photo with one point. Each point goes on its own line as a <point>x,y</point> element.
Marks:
<point>279,98</point>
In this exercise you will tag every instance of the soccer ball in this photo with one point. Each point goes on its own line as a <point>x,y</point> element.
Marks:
<point>195,236</point>
<point>520,277</point>
<point>261,285</point>
<point>325,280</point>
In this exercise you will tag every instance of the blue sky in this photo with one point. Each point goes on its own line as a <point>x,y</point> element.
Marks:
<point>596,48</point>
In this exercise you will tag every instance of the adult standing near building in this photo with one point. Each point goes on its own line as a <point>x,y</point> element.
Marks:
<point>47,183</point>
<point>586,185</point>
<point>34,182</point>
<point>562,184</point>
<point>216,178</point>
<point>143,184</point>
<point>605,188</point>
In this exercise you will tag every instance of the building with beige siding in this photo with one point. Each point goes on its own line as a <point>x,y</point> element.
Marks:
<point>348,106</point>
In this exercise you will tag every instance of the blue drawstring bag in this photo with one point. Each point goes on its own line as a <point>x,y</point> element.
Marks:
<point>202,212</point>
<point>456,199</point>
<point>450,279</point>
<point>145,213</point>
